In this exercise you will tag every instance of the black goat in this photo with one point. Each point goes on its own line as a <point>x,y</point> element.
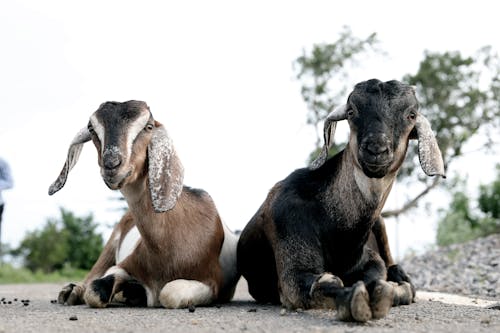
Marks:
<point>306,246</point>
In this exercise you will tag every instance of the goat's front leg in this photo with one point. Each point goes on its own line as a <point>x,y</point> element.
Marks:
<point>370,296</point>
<point>73,293</point>
<point>301,275</point>
<point>395,273</point>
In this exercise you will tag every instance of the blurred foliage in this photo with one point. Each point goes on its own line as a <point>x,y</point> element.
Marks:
<point>463,221</point>
<point>69,241</point>
<point>459,96</point>
<point>325,66</point>
<point>11,274</point>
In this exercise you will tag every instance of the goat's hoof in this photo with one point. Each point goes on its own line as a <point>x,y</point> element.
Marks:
<point>71,294</point>
<point>327,283</point>
<point>360,307</point>
<point>353,304</point>
<point>397,274</point>
<point>381,299</point>
<point>404,293</point>
<point>322,290</point>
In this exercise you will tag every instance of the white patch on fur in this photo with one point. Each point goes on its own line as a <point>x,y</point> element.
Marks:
<point>117,271</point>
<point>183,293</point>
<point>327,277</point>
<point>150,297</point>
<point>227,261</point>
<point>128,244</point>
<point>373,188</point>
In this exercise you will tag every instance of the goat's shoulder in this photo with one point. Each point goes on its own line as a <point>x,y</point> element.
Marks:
<point>193,191</point>
<point>307,183</point>
<point>195,201</point>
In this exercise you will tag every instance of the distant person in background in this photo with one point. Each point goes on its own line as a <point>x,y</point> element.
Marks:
<point>5,183</point>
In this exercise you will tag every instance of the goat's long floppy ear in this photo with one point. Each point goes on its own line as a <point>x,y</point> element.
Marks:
<point>74,151</point>
<point>339,113</point>
<point>166,174</point>
<point>429,154</point>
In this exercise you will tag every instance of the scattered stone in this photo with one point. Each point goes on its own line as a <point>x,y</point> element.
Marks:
<point>283,312</point>
<point>252,310</point>
<point>73,318</point>
<point>191,308</point>
<point>469,269</point>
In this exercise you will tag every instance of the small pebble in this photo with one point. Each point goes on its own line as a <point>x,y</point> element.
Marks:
<point>283,312</point>
<point>73,318</point>
<point>252,310</point>
<point>191,308</point>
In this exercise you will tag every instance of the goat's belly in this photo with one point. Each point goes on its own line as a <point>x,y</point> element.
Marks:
<point>128,244</point>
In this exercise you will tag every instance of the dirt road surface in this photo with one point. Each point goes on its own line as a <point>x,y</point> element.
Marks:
<point>430,313</point>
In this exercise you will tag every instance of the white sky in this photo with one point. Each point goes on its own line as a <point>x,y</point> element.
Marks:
<point>217,74</point>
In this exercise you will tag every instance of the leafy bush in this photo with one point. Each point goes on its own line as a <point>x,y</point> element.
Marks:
<point>461,223</point>
<point>71,241</point>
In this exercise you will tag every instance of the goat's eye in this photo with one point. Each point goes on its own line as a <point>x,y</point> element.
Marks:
<point>412,115</point>
<point>149,127</point>
<point>91,129</point>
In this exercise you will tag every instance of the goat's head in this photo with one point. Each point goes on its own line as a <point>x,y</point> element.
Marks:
<point>382,117</point>
<point>128,140</point>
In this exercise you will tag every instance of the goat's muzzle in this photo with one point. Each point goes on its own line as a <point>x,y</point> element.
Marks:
<point>375,155</point>
<point>111,170</point>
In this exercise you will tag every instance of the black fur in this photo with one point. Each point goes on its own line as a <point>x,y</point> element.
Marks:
<point>311,233</point>
<point>103,288</point>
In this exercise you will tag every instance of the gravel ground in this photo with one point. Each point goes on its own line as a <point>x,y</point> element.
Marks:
<point>467,269</point>
<point>471,268</point>
<point>242,315</point>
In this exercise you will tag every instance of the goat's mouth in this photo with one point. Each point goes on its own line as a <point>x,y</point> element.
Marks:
<point>376,166</point>
<point>115,181</point>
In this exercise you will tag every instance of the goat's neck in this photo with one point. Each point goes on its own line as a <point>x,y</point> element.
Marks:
<point>373,190</point>
<point>146,219</point>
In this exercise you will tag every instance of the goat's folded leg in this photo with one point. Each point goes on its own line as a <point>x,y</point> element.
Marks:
<point>396,273</point>
<point>370,296</point>
<point>361,302</point>
<point>115,287</point>
<point>182,293</point>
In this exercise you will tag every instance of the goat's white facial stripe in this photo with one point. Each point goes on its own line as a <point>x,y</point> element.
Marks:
<point>135,128</point>
<point>98,129</point>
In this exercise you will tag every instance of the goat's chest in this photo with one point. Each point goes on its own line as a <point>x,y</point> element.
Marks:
<point>342,243</point>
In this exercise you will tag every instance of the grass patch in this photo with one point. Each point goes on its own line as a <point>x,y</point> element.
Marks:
<point>10,274</point>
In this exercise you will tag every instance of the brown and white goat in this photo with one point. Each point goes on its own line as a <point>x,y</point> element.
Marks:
<point>170,248</point>
<point>306,246</point>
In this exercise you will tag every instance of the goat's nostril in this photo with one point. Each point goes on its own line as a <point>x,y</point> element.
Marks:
<point>377,149</point>
<point>112,162</point>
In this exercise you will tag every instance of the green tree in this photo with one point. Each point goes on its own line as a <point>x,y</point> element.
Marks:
<point>463,221</point>
<point>325,66</point>
<point>69,241</point>
<point>460,96</point>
